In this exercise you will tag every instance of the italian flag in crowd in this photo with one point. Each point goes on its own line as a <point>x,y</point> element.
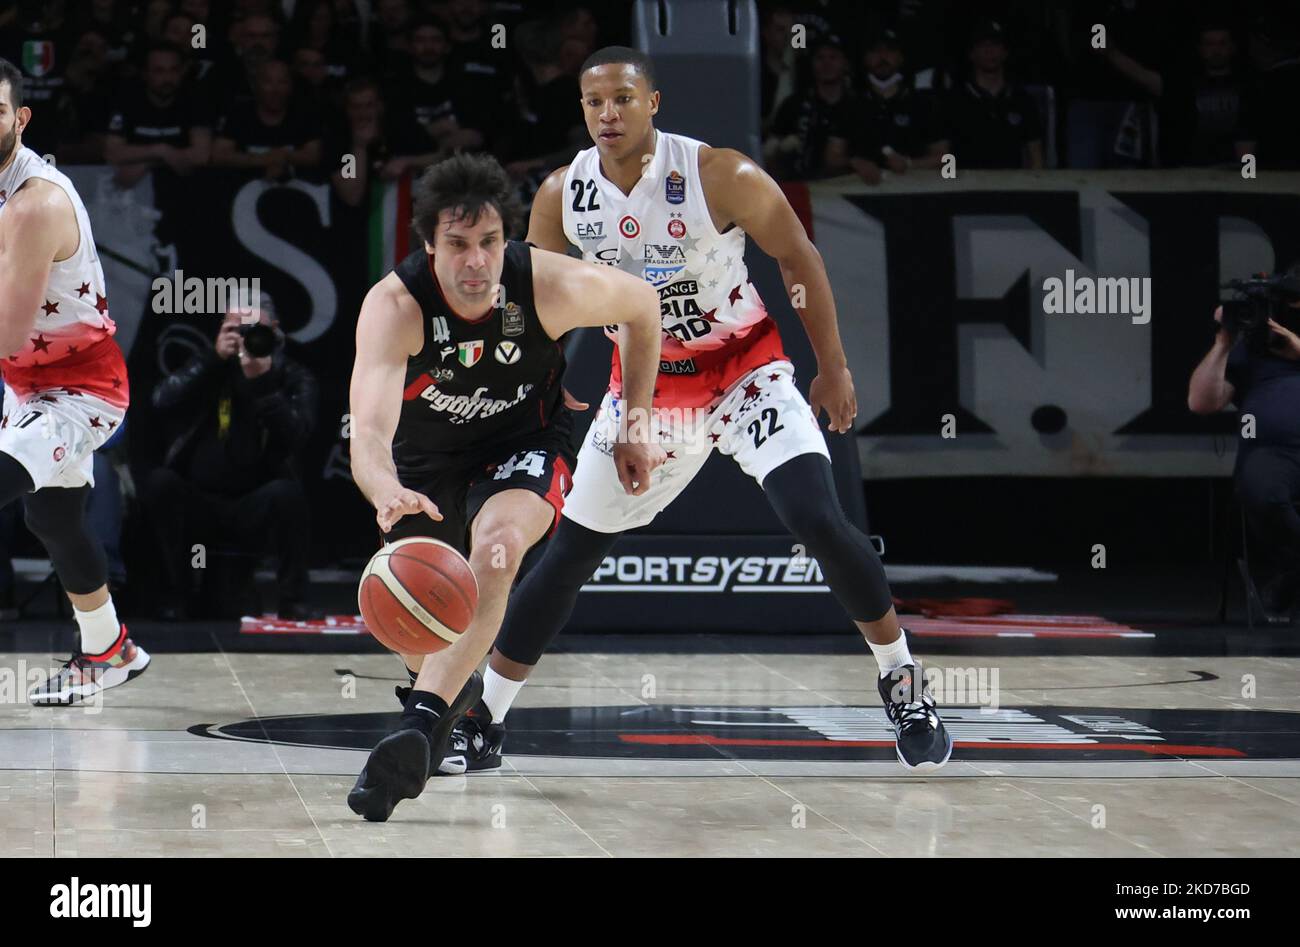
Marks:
<point>390,225</point>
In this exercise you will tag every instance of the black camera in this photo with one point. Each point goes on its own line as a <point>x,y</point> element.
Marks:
<point>1257,300</point>
<point>259,340</point>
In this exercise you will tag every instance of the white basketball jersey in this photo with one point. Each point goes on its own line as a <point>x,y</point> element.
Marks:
<point>74,314</point>
<point>662,232</point>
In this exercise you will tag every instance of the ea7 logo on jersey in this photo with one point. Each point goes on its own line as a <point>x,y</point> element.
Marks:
<point>663,262</point>
<point>507,353</point>
<point>470,352</point>
<point>592,231</point>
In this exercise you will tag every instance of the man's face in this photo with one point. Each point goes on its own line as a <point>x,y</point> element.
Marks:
<point>469,259</point>
<point>1216,49</point>
<point>177,31</point>
<point>363,107</point>
<point>428,46</point>
<point>257,38</point>
<point>10,120</point>
<point>988,55</point>
<point>162,74</point>
<point>617,105</point>
<point>274,86</point>
<point>309,65</point>
<point>829,64</point>
<point>776,31</point>
<point>883,61</point>
<point>466,13</point>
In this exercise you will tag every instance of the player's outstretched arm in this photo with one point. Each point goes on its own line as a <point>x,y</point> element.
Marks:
<point>33,229</point>
<point>572,293</point>
<point>546,218</point>
<point>389,331</point>
<point>738,190</point>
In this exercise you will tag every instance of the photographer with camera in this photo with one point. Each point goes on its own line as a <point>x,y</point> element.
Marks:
<point>241,411</point>
<point>1254,363</point>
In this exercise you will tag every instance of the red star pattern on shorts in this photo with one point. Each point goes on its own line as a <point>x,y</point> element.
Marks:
<point>73,394</point>
<point>39,344</point>
<point>117,382</point>
<point>726,419</point>
<point>669,455</point>
<point>49,399</point>
<point>83,289</point>
<point>751,391</point>
<point>715,437</point>
<point>101,303</point>
<point>718,392</point>
<point>734,295</point>
<point>775,376</point>
<point>4,422</point>
<point>72,350</point>
<point>711,315</point>
<point>94,422</point>
<point>111,425</point>
<point>50,308</point>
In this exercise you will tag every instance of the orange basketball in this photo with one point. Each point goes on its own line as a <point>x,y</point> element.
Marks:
<point>417,595</point>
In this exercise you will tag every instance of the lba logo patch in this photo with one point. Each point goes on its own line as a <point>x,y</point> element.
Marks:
<point>470,352</point>
<point>674,187</point>
<point>507,353</point>
<point>676,229</point>
<point>629,227</point>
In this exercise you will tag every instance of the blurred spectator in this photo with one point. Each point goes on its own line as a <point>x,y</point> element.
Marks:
<point>89,94</point>
<point>317,28</point>
<point>269,135</point>
<point>994,123</point>
<point>811,128</point>
<point>229,475</point>
<point>254,41</point>
<point>1200,112</point>
<point>390,40</point>
<point>312,82</point>
<point>384,146</point>
<point>158,124</point>
<point>579,38</point>
<point>155,15</point>
<point>112,20</point>
<point>777,57</point>
<point>549,128</point>
<point>444,103</point>
<point>178,30</point>
<point>898,128</point>
<point>40,46</point>
<point>1269,113</point>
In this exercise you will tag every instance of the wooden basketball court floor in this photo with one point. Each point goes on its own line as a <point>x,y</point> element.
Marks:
<point>649,753</point>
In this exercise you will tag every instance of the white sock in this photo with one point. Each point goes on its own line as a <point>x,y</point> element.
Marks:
<point>499,693</point>
<point>99,627</point>
<point>892,656</point>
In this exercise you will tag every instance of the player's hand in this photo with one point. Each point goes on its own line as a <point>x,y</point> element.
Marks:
<point>634,463</point>
<point>228,341</point>
<point>572,403</point>
<point>1290,347</point>
<point>833,391</point>
<point>400,502</point>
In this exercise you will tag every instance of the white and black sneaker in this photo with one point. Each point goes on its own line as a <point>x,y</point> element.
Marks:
<point>85,675</point>
<point>475,743</point>
<point>921,741</point>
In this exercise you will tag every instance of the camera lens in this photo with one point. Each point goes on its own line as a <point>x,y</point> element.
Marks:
<point>259,340</point>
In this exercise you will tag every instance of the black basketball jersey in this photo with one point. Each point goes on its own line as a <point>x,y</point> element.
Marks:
<point>476,384</point>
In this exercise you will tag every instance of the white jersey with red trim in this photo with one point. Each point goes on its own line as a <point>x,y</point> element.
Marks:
<point>71,342</point>
<point>716,327</point>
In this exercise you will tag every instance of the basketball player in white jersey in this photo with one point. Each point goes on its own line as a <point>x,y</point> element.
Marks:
<point>65,392</point>
<point>675,212</point>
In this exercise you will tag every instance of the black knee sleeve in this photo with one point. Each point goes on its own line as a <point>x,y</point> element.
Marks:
<point>56,516</point>
<point>15,481</point>
<point>541,604</point>
<point>802,492</point>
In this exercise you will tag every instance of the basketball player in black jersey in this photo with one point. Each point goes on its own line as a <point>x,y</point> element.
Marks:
<point>460,429</point>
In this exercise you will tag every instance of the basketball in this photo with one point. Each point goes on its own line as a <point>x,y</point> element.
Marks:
<point>417,595</point>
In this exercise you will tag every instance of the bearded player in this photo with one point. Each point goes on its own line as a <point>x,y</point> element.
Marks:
<point>675,212</point>
<point>65,392</point>
<point>460,429</point>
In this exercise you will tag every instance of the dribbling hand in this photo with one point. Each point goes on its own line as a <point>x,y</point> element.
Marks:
<point>402,502</point>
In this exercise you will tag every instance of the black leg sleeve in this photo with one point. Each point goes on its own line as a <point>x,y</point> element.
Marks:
<point>802,492</point>
<point>542,602</point>
<point>57,517</point>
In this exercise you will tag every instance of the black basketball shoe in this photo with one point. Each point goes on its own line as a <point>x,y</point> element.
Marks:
<point>475,743</point>
<point>921,741</point>
<point>399,766</point>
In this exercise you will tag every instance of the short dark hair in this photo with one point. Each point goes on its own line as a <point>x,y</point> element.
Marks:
<point>618,55</point>
<point>10,73</point>
<point>466,183</point>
